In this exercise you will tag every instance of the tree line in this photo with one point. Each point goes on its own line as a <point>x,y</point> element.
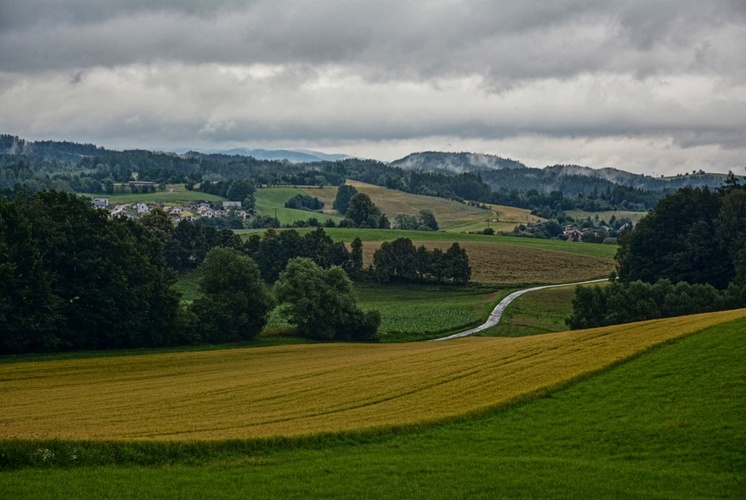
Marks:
<point>72,278</point>
<point>688,255</point>
<point>72,167</point>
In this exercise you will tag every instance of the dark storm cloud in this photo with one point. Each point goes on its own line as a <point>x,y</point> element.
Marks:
<point>507,40</point>
<point>377,71</point>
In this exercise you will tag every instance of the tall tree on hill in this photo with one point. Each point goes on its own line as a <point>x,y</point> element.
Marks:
<point>345,192</point>
<point>355,266</point>
<point>363,212</point>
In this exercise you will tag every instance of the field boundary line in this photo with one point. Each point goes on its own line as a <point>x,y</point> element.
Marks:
<point>497,312</point>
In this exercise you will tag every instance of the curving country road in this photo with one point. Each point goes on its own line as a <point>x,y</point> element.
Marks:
<point>497,312</point>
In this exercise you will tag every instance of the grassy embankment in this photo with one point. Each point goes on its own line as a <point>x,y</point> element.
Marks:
<point>668,424</point>
<point>581,215</point>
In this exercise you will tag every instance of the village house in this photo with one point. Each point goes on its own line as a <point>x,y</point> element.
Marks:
<point>573,233</point>
<point>100,202</point>
<point>141,208</point>
<point>203,211</point>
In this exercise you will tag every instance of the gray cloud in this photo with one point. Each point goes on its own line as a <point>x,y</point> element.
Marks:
<point>173,73</point>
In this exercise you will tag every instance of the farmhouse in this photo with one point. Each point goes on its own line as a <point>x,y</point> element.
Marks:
<point>141,208</point>
<point>573,233</point>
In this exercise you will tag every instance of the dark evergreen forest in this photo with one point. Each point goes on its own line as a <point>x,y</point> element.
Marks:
<point>688,255</point>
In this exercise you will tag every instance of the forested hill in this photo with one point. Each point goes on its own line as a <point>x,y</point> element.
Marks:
<point>506,174</point>
<point>293,156</point>
<point>572,180</point>
<point>66,166</point>
<point>431,161</point>
<point>49,150</point>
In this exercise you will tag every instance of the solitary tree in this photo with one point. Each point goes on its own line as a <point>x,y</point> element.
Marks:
<point>363,212</point>
<point>355,264</point>
<point>322,303</point>
<point>345,193</point>
<point>236,302</point>
<point>428,219</point>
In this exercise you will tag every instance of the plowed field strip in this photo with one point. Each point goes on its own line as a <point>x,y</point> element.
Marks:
<point>304,389</point>
<point>511,264</point>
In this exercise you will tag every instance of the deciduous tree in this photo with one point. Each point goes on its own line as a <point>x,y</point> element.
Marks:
<point>322,303</point>
<point>236,303</point>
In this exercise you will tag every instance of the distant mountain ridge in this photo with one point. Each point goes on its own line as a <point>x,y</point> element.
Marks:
<point>291,155</point>
<point>458,163</point>
<point>502,173</point>
<point>499,174</point>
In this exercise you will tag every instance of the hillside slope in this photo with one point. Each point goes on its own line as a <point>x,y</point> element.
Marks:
<point>320,388</point>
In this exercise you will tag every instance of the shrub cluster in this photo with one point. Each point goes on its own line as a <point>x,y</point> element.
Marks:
<point>401,260</point>
<point>304,202</point>
<point>639,301</point>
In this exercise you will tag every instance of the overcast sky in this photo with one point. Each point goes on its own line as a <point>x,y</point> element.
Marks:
<point>656,87</point>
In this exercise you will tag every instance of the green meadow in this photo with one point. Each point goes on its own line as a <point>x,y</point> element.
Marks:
<point>180,196</point>
<point>271,202</point>
<point>420,312</point>
<point>668,424</point>
<point>537,313</point>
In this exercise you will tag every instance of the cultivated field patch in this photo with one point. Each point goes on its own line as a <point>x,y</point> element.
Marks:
<point>508,264</point>
<point>448,213</point>
<point>417,312</point>
<point>308,389</point>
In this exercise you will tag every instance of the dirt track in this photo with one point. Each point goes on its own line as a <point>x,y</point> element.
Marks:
<point>499,309</point>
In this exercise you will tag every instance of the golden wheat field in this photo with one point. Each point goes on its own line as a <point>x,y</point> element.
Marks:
<point>511,264</point>
<point>306,389</point>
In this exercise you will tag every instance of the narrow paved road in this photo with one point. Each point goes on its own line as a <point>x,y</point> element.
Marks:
<point>497,312</point>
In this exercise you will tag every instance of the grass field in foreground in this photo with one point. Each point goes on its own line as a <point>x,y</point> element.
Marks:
<point>308,389</point>
<point>668,424</point>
